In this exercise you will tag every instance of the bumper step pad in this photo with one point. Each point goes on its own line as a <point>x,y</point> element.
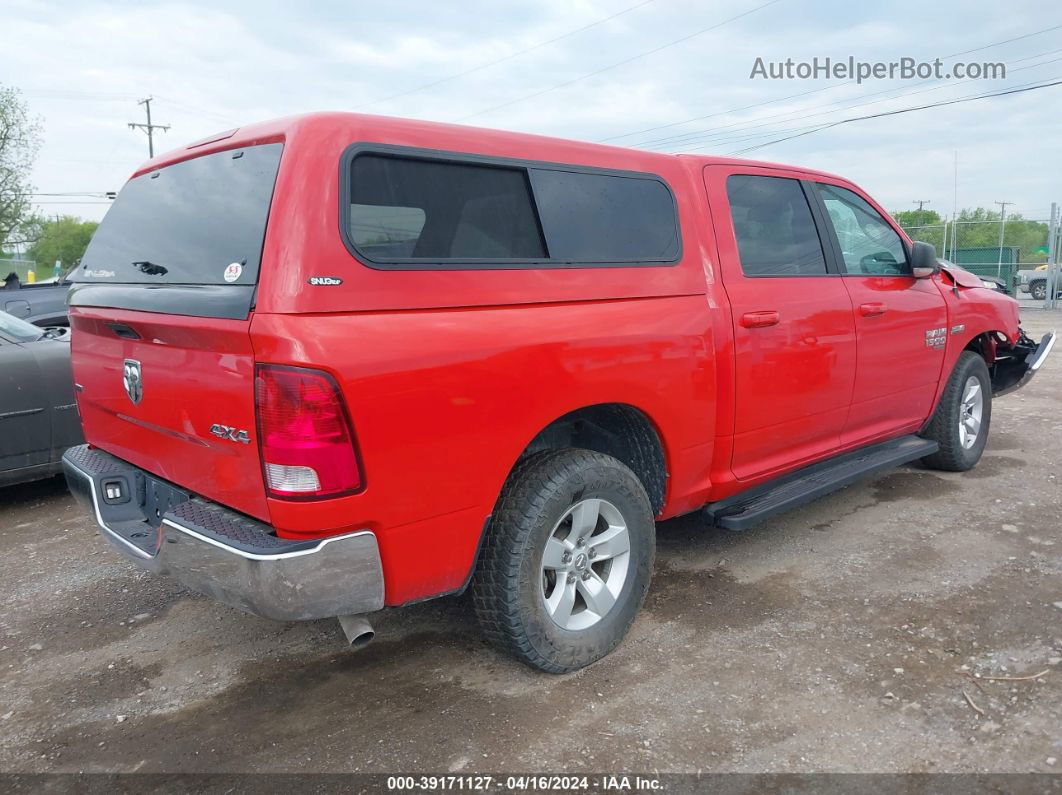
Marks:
<point>153,500</point>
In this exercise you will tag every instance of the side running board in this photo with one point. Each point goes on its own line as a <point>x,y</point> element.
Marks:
<point>749,508</point>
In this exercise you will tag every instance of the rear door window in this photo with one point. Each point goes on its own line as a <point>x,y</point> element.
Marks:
<point>406,210</point>
<point>774,228</point>
<point>198,222</point>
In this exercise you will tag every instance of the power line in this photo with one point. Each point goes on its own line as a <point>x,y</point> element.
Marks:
<point>504,58</point>
<point>695,135</point>
<point>67,93</point>
<point>818,90</point>
<point>705,134</point>
<point>603,69</point>
<point>195,110</point>
<point>900,111</point>
<point>1005,41</point>
<point>98,193</point>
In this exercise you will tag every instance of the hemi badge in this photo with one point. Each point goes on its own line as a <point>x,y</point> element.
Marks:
<point>959,329</point>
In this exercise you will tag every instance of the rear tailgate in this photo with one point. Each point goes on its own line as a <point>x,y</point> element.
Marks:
<point>173,402</point>
<point>161,311</point>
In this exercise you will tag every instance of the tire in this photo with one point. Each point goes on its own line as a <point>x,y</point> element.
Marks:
<point>958,407</point>
<point>546,501</point>
<point>1038,290</point>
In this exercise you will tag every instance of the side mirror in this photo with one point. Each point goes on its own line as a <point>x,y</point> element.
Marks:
<point>924,261</point>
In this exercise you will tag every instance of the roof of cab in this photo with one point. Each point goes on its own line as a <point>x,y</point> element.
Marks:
<point>399,131</point>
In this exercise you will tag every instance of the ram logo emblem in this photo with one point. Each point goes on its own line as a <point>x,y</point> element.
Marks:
<point>132,381</point>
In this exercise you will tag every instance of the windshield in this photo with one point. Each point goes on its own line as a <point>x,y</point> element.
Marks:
<point>198,222</point>
<point>17,329</point>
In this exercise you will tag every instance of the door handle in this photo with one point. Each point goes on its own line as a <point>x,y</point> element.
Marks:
<point>759,319</point>
<point>872,309</point>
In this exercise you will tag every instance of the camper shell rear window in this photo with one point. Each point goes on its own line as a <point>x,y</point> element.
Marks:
<point>413,209</point>
<point>196,222</point>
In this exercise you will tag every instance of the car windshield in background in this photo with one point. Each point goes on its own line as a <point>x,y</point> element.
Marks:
<point>200,221</point>
<point>17,329</point>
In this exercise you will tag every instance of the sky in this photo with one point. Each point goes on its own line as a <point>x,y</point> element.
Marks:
<point>668,75</point>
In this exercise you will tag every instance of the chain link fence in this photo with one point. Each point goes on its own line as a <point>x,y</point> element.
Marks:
<point>20,267</point>
<point>1020,261</point>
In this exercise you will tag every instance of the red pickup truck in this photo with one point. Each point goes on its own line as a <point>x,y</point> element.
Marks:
<point>336,363</point>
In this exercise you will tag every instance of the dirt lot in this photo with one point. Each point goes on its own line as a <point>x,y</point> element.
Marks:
<point>841,637</point>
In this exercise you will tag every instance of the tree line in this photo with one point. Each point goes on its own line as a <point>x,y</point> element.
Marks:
<point>978,228</point>
<point>49,240</point>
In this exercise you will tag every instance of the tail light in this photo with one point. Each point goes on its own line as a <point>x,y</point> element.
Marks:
<point>304,435</point>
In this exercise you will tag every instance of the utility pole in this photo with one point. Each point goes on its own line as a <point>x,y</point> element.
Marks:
<point>149,128</point>
<point>1052,254</point>
<point>955,211</point>
<point>921,203</point>
<point>1050,300</point>
<point>1002,227</point>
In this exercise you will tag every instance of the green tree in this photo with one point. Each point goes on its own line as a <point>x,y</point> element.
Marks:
<point>19,142</point>
<point>912,218</point>
<point>63,239</point>
<point>979,228</point>
<point>924,225</point>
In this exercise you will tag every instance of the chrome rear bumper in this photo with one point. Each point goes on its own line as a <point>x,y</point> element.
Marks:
<point>233,558</point>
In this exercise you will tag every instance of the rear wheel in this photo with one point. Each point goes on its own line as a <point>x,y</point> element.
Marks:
<point>567,560</point>
<point>960,423</point>
<point>1038,290</point>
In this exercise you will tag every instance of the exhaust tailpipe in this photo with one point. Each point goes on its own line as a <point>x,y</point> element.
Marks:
<point>359,632</point>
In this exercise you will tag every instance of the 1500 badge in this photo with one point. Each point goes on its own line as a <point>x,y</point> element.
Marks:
<point>936,337</point>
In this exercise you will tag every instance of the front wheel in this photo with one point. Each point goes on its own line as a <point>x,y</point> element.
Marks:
<point>567,560</point>
<point>1038,290</point>
<point>960,423</point>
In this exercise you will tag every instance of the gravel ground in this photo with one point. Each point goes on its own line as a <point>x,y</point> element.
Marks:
<point>856,634</point>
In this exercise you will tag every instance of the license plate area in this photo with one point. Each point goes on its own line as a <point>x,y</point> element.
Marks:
<point>156,498</point>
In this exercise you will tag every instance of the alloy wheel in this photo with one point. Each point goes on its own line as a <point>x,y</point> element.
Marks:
<point>585,564</point>
<point>970,411</point>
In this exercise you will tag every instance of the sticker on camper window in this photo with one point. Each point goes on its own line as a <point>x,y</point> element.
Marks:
<point>232,273</point>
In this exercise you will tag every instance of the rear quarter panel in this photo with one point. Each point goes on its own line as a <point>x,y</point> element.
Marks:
<point>444,401</point>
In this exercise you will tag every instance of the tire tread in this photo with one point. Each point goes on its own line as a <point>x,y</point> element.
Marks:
<point>496,585</point>
<point>942,428</point>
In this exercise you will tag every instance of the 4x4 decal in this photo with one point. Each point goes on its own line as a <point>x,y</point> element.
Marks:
<point>229,433</point>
